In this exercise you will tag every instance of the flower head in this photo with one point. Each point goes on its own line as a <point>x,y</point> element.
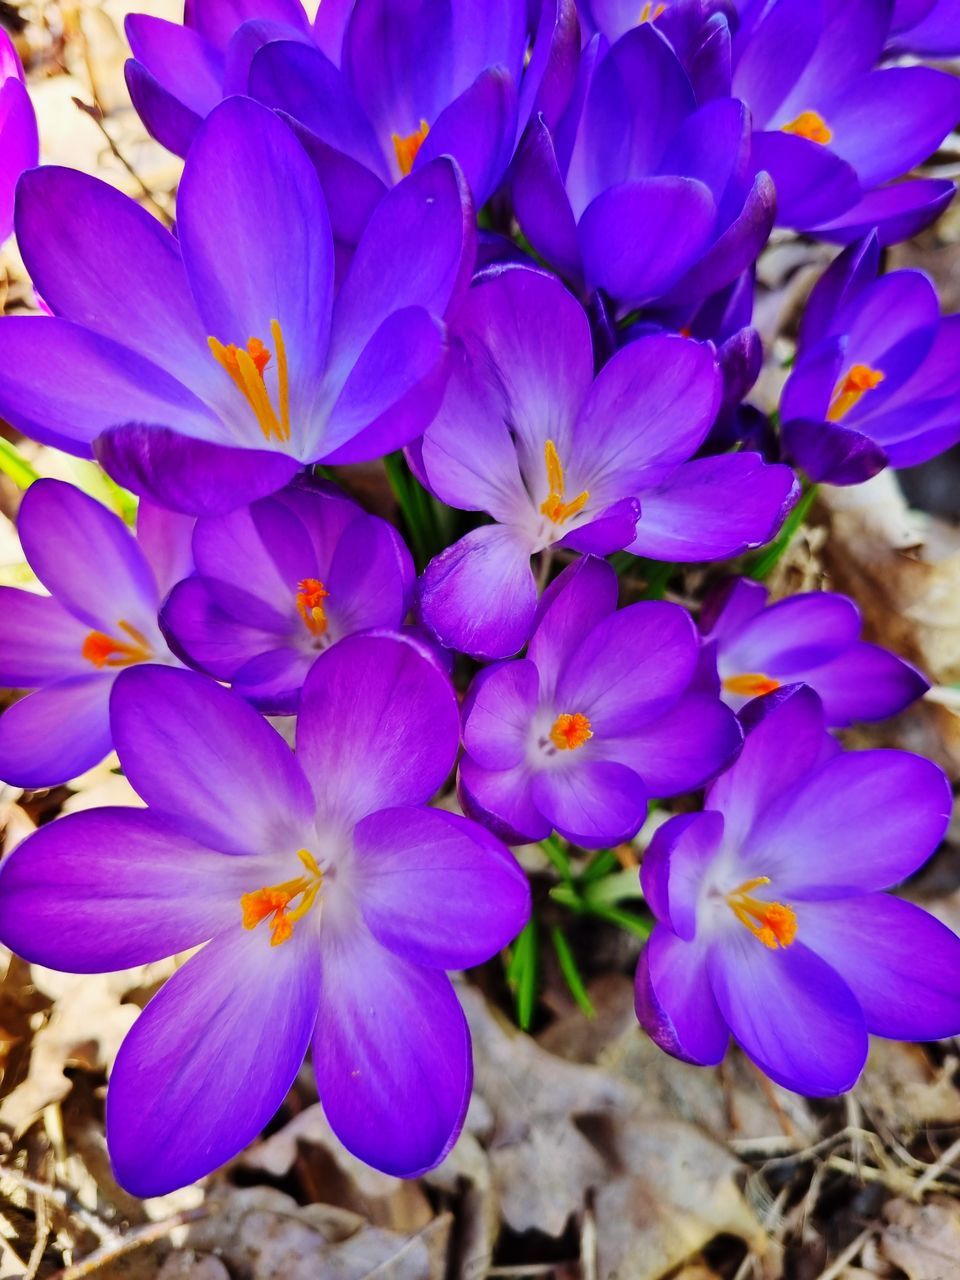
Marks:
<point>328,896</point>
<point>99,619</point>
<point>877,373</point>
<point>594,721</point>
<point>278,582</point>
<point>19,143</point>
<point>772,924</point>
<point>752,648</point>
<point>558,456</point>
<point>204,371</point>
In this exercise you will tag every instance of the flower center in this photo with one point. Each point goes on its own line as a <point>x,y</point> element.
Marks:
<point>772,922</point>
<point>850,390</point>
<point>650,12</point>
<point>810,125</point>
<point>102,650</point>
<point>752,684</point>
<point>311,594</point>
<point>554,507</point>
<point>570,731</point>
<point>407,145</point>
<point>246,367</point>
<point>273,901</point>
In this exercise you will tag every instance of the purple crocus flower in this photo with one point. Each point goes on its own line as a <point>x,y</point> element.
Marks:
<point>100,617</point>
<point>559,457</point>
<point>19,142</point>
<point>633,149</point>
<point>594,721</point>
<point>752,649</point>
<point>831,129</point>
<point>209,369</point>
<point>877,375</point>
<point>330,899</point>
<point>927,28</point>
<point>772,924</point>
<point>278,582</point>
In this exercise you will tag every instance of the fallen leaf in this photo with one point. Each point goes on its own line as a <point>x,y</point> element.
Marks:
<point>923,1240</point>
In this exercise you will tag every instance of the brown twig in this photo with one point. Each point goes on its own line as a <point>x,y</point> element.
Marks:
<point>62,1199</point>
<point>95,112</point>
<point>137,1239</point>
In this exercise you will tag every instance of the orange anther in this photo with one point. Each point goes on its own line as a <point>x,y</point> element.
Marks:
<point>851,388</point>
<point>773,923</point>
<point>103,650</point>
<point>311,594</point>
<point>246,367</point>
<point>570,731</point>
<point>752,684</point>
<point>273,901</point>
<point>554,507</point>
<point>650,12</point>
<point>810,125</point>
<point>407,145</point>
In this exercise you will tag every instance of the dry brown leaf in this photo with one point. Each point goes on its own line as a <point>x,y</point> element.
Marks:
<point>923,1240</point>
<point>901,1088</point>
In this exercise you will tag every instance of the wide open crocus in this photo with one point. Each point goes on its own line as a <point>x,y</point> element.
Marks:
<point>419,80</point>
<point>100,617</point>
<point>329,897</point>
<point>634,150</point>
<point>832,130</point>
<point>597,718</point>
<point>278,582</point>
<point>559,457</point>
<point>19,141</point>
<point>877,375</point>
<point>773,926</point>
<point>205,371</point>
<point>752,648</point>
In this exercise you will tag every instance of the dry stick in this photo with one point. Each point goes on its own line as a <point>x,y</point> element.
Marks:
<point>928,1179</point>
<point>133,1240</point>
<point>40,1242</point>
<point>850,1252</point>
<point>95,113</point>
<point>64,1201</point>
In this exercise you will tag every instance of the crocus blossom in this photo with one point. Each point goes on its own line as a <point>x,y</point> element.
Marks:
<point>558,457</point>
<point>330,900</point>
<point>752,648</point>
<point>877,375</point>
<point>638,191</point>
<point>19,142</point>
<point>596,719</point>
<point>70,646</point>
<point>278,582</point>
<point>205,371</point>
<point>772,924</point>
<point>831,129</point>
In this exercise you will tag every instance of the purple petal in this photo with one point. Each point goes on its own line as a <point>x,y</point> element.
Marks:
<point>866,683</point>
<point>436,889</point>
<point>789,637</point>
<point>541,203</point>
<point>165,537</point>
<point>392,745</point>
<point>478,129</point>
<point>499,712</point>
<point>501,799</point>
<point>181,60</point>
<point>39,642</point>
<point>575,602</point>
<point>166,118</point>
<point>109,888</point>
<point>592,803</point>
<point>391,1056</point>
<point>210,1060</point>
<point>673,868</point>
<point>831,453</point>
<point>896,212</point>
<point>774,56</point>
<point>681,750</point>
<point>20,144</point>
<point>208,637</point>
<point>674,1005</point>
<point>812,184</point>
<point>936,35</point>
<point>217,20</point>
<point>191,748</point>
<point>57,733</point>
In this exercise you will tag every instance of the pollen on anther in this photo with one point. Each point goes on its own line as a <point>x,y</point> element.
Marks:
<point>407,146</point>
<point>570,730</point>
<point>752,684</point>
<point>851,389</point>
<point>810,125</point>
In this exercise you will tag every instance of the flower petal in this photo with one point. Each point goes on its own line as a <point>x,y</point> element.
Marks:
<point>499,713</point>
<point>57,733</point>
<point>502,800</point>
<point>681,749</point>
<point>673,867</point>
<point>674,1005</point>
<point>39,640</point>
<point>866,683</point>
<point>573,604</point>
<point>592,803</point>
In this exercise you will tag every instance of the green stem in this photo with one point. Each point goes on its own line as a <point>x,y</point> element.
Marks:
<point>415,507</point>
<point>14,465</point>
<point>571,971</point>
<point>766,561</point>
<point>558,857</point>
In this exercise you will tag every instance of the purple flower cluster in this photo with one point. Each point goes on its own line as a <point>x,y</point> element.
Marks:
<point>509,250</point>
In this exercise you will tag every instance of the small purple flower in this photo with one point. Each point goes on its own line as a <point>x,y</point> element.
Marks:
<point>639,191</point>
<point>772,926</point>
<point>831,129</point>
<point>330,899</point>
<point>280,581</point>
<point>877,375</point>
<point>926,28</point>
<point>100,617</point>
<point>559,457</point>
<point>19,142</point>
<point>205,371</point>
<point>752,649</point>
<point>597,718</point>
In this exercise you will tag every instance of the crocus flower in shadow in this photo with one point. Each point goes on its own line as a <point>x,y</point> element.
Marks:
<point>19,142</point>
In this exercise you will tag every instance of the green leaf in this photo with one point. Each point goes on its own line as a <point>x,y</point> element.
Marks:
<point>601,864</point>
<point>640,926</point>
<point>15,465</point>
<point>766,560</point>
<point>417,508</point>
<point>570,971</point>
<point>621,886</point>
<point>523,972</point>
<point>558,857</point>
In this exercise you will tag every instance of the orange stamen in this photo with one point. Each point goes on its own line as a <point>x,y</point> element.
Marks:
<point>650,12</point>
<point>570,731</point>
<point>810,125</point>
<point>554,507</point>
<point>311,594</point>
<point>407,145</point>
<point>752,684</point>
<point>247,367</point>
<point>851,388</point>
<point>102,650</point>
<point>772,922</point>
<point>274,901</point>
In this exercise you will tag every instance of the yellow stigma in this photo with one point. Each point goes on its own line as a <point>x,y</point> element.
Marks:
<point>773,923</point>
<point>407,145</point>
<point>554,507</point>
<point>850,390</point>
<point>311,594</point>
<point>810,125</point>
<point>650,12</point>
<point>102,650</point>
<point>570,731</point>
<point>752,684</point>
<point>246,367</point>
<point>274,901</point>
